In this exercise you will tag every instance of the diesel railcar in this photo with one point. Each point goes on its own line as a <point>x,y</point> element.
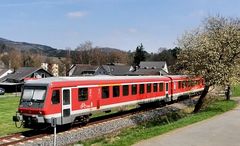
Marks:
<point>70,99</point>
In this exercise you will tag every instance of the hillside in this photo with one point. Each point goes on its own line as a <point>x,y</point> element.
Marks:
<point>7,45</point>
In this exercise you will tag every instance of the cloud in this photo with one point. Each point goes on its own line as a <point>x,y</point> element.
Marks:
<point>76,14</point>
<point>132,30</point>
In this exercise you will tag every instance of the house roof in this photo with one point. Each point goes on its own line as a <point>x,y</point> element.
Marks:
<point>116,70</point>
<point>22,73</point>
<point>80,68</point>
<point>142,71</point>
<point>2,71</point>
<point>152,64</point>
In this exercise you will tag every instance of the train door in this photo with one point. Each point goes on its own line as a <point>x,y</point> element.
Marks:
<point>166,92</point>
<point>66,105</point>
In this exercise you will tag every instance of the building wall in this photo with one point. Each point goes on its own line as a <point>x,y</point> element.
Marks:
<point>40,74</point>
<point>44,66</point>
<point>53,68</point>
<point>165,68</point>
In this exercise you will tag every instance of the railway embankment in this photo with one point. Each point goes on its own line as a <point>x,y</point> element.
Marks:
<point>111,126</point>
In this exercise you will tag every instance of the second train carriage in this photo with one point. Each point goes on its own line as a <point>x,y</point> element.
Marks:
<point>75,98</point>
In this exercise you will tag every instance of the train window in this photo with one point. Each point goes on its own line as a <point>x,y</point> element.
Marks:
<point>155,87</point>
<point>160,87</point>
<point>149,88</point>
<point>66,112</point>
<point>82,94</point>
<point>166,86</point>
<point>183,84</point>
<point>105,92</point>
<point>125,90</point>
<point>55,97</point>
<point>179,84</point>
<point>195,82</point>
<point>66,97</point>
<point>134,89</point>
<point>142,88</point>
<point>189,83</point>
<point>192,83</point>
<point>116,91</point>
<point>175,85</point>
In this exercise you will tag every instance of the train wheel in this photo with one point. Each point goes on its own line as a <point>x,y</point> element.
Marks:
<point>82,120</point>
<point>85,120</point>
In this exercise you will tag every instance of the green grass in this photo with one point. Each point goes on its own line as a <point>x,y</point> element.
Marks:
<point>236,90</point>
<point>154,128</point>
<point>8,106</point>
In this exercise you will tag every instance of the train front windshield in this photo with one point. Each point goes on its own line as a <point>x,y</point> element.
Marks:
<point>34,93</point>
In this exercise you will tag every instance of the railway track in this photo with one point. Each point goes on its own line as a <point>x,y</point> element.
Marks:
<point>30,136</point>
<point>19,139</point>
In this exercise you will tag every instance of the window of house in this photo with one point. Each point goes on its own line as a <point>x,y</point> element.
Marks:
<point>55,97</point>
<point>149,88</point>
<point>43,75</point>
<point>82,94</point>
<point>142,88</point>
<point>155,87</point>
<point>105,92</point>
<point>116,91</point>
<point>125,90</point>
<point>160,87</point>
<point>134,89</point>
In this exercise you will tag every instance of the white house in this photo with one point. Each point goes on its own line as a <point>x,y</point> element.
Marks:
<point>161,65</point>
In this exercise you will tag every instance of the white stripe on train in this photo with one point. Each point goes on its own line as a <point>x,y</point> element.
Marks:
<point>57,115</point>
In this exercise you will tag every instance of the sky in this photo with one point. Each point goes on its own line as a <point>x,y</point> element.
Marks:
<point>122,24</point>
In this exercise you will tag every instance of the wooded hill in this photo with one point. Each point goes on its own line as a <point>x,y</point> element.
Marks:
<point>8,45</point>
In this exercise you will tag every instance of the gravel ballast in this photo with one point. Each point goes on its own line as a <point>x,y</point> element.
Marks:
<point>109,127</point>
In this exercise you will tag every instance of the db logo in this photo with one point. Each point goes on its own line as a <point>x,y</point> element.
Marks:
<point>83,105</point>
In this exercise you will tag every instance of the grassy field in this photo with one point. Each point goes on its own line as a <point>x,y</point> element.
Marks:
<point>236,90</point>
<point>148,130</point>
<point>8,106</point>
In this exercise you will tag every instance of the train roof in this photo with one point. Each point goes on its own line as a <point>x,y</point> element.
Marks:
<point>96,78</point>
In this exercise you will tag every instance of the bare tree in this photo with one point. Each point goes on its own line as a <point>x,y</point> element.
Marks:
<point>12,59</point>
<point>84,52</point>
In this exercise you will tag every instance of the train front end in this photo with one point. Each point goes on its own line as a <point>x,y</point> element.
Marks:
<point>31,112</point>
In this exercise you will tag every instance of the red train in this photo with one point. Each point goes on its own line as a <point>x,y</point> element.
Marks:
<point>70,99</point>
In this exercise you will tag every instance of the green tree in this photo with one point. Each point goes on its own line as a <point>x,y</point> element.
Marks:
<point>140,55</point>
<point>211,51</point>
